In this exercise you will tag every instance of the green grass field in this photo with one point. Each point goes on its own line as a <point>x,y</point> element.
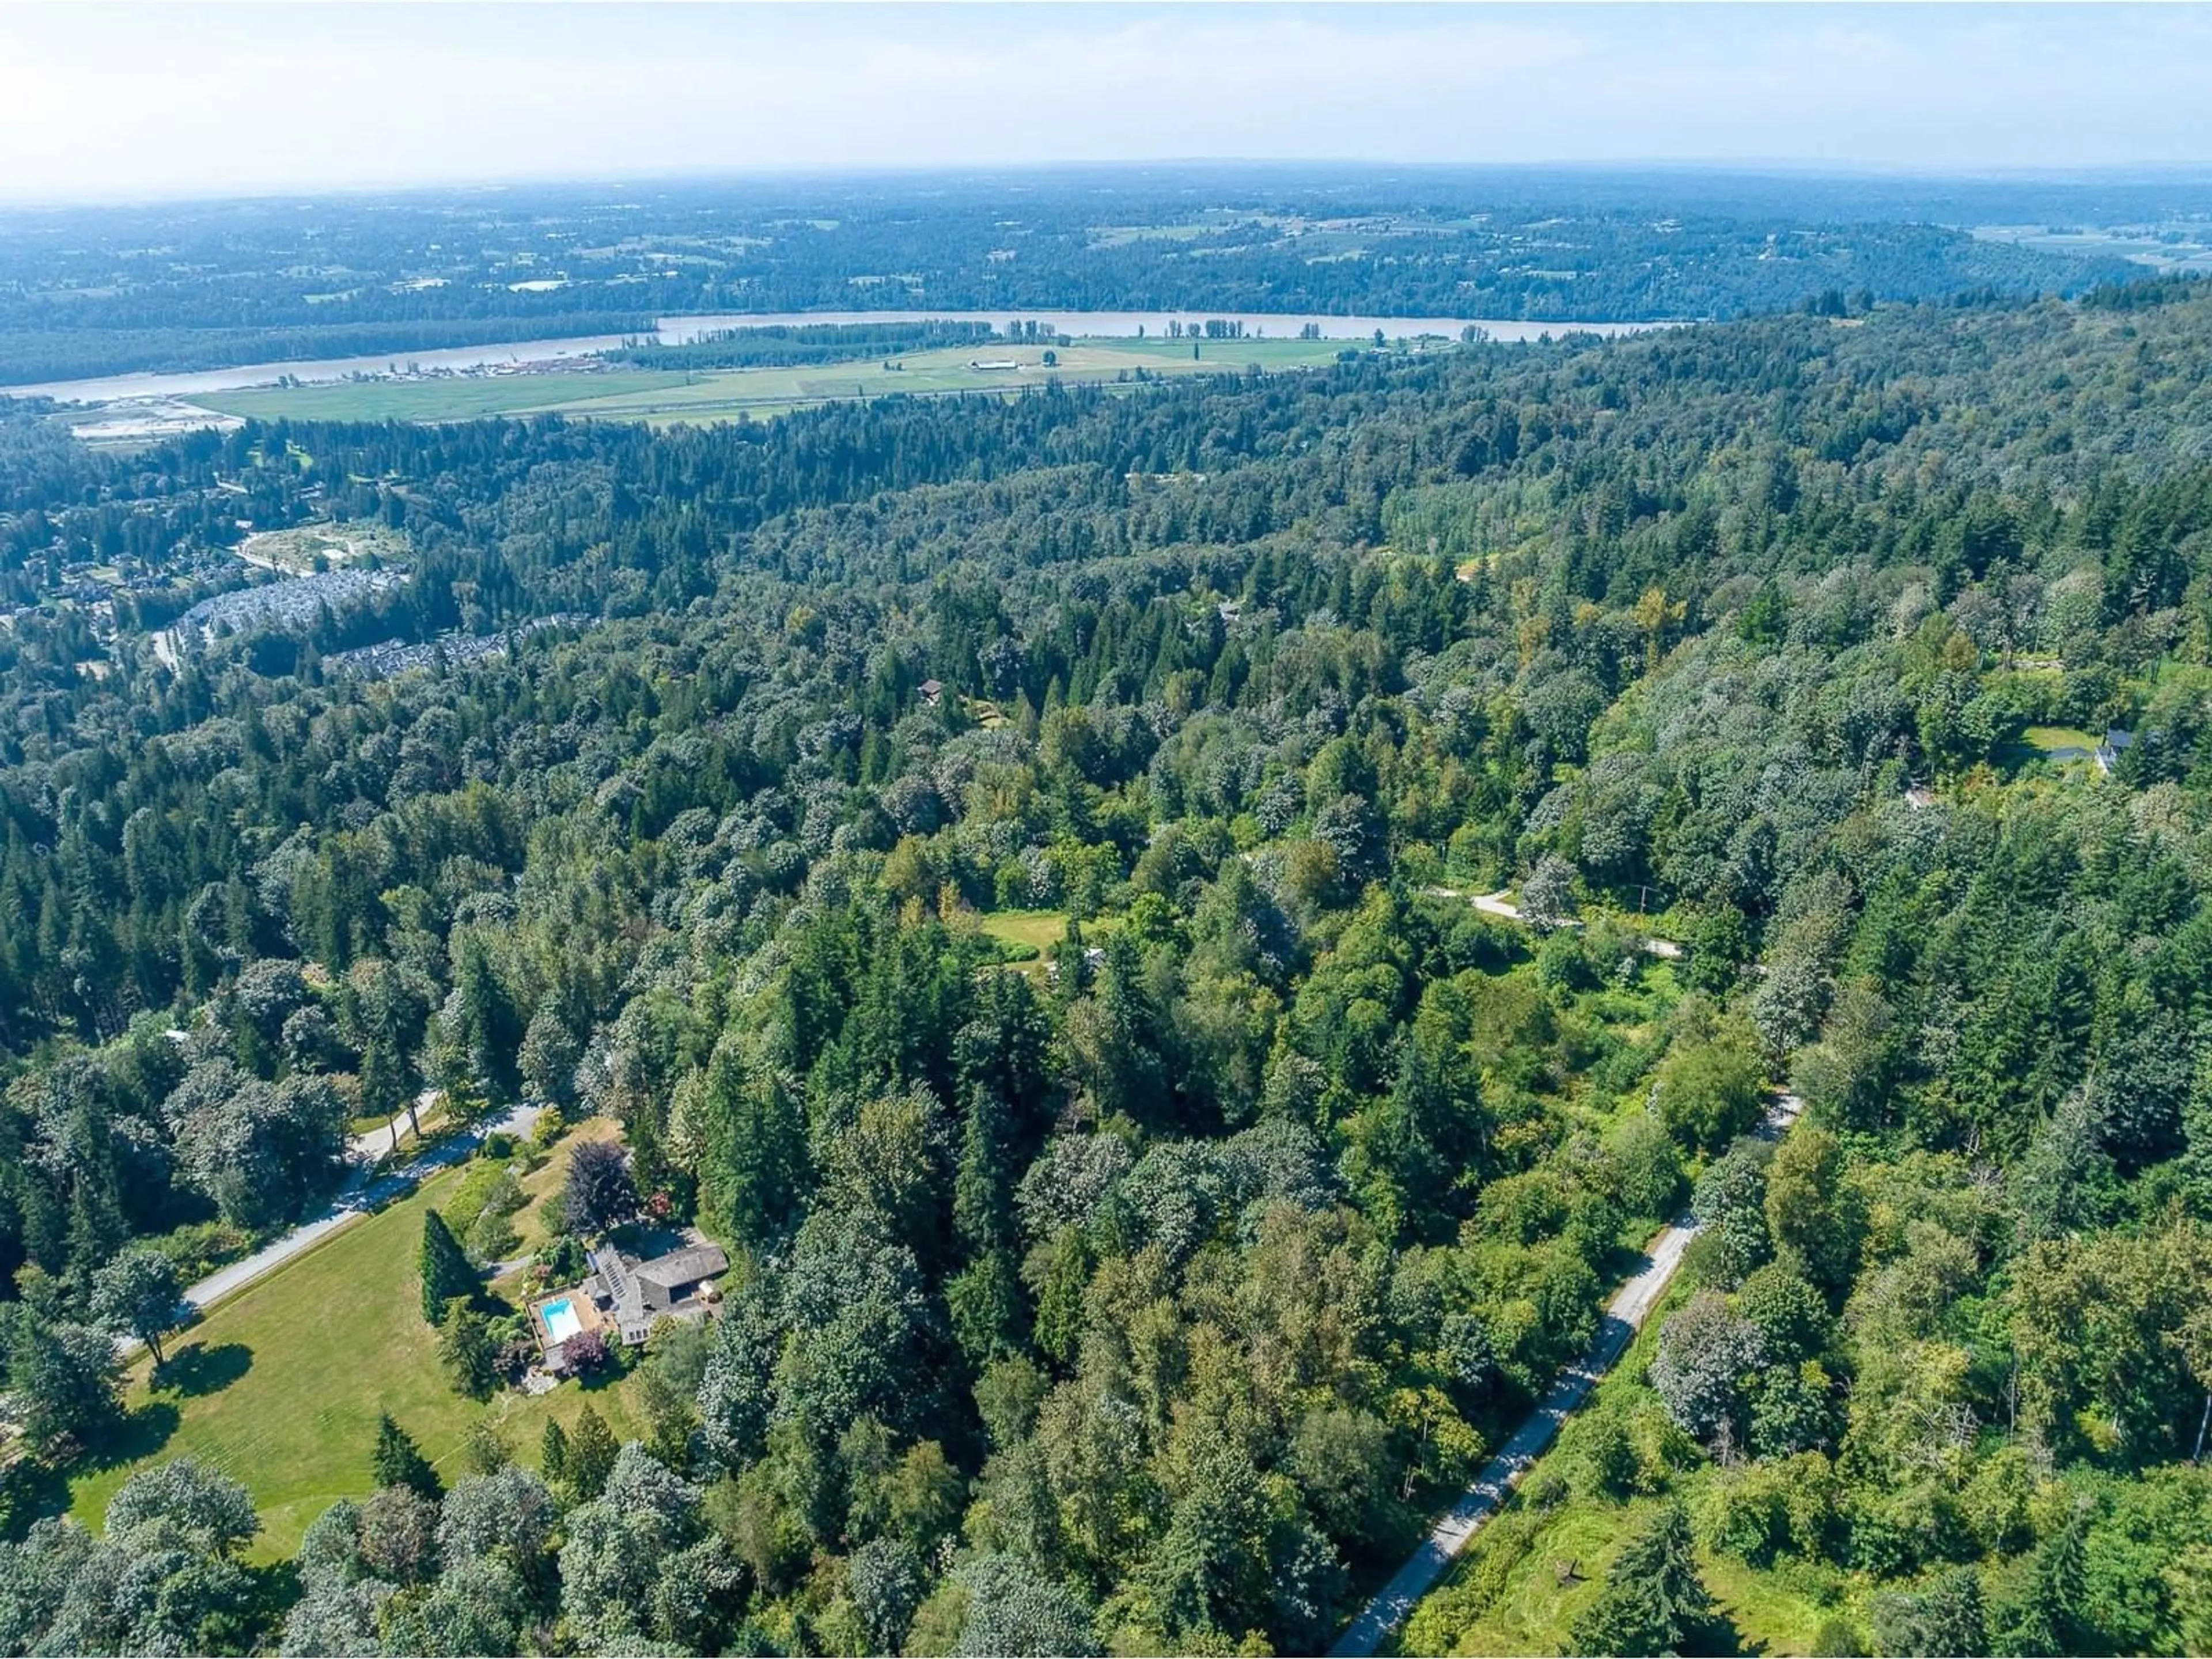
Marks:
<point>661,397</point>
<point>1039,930</point>
<point>455,399</point>
<point>1029,936</point>
<point>281,1385</point>
<point>2049,738</point>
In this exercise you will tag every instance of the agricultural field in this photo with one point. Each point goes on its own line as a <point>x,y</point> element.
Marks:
<point>666,397</point>
<point>443,397</point>
<point>2183,246</point>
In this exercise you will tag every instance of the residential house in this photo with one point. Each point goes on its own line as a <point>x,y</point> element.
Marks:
<point>625,1297</point>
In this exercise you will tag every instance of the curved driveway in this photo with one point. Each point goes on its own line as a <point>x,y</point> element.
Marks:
<point>365,1192</point>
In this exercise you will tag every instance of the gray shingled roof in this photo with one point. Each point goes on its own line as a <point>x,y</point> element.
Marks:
<point>683,1267</point>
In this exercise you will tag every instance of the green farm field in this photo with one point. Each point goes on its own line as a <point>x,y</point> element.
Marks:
<point>458,398</point>
<point>281,1386</point>
<point>662,396</point>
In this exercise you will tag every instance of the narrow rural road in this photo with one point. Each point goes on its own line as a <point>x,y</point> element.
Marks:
<point>1624,1316</point>
<point>365,1192</point>
<point>1497,904</point>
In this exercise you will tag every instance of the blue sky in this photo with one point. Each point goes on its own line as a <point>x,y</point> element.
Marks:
<point>106,101</point>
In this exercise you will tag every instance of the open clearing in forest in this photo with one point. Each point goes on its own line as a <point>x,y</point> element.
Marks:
<point>280,1387</point>
<point>2054,739</point>
<point>662,396</point>
<point>2059,746</point>
<point>1031,935</point>
<point>1036,930</point>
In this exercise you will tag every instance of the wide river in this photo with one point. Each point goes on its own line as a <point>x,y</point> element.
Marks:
<point>675,330</point>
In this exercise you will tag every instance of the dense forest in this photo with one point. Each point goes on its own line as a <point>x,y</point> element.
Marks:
<point>88,292</point>
<point>1149,1295</point>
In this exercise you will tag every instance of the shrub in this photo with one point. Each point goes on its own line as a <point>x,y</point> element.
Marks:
<point>492,1237</point>
<point>1609,1455</point>
<point>588,1351</point>
<point>1746,1514</point>
<point>564,1260</point>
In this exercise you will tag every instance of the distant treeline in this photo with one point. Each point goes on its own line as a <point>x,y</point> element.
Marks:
<point>28,356</point>
<point>176,285</point>
<point>2143,296</point>
<point>776,345</point>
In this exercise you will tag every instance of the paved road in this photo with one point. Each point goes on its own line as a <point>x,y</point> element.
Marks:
<point>1624,1316</point>
<point>383,1142</point>
<point>1497,904</point>
<point>365,1192</point>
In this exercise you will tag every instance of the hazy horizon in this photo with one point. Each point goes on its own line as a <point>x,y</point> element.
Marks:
<point>103,103</point>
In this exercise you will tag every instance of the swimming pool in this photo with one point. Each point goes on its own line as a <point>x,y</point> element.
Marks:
<point>561,1320</point>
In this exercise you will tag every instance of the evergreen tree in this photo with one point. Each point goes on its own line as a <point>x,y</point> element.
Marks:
<point>446,1275</point>
<point>600,1193</point>
<point>553,1452</point>
<point>1944,1621</point>
<point>466,1351</point>
<point>486,1450</point>
<point>398,1461</point>
<point>64,1383</point>
<point>591,1455</point>
<point>1653,1601</point>
<point>752,1170</point>
<point>2048,1617</point>
<point>982,1209</point>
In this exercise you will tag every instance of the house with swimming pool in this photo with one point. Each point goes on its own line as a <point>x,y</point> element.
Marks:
<point>623,1297</point>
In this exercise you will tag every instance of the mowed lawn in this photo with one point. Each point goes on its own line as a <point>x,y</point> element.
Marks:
<point>293,1372</point>
<point>2050,738</point>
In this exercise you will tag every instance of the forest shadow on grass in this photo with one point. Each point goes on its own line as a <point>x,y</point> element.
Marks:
<point>1718,1637</point>
<point>195,1370</point>
<point>603,1377</point>
<point>142,1432</point>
